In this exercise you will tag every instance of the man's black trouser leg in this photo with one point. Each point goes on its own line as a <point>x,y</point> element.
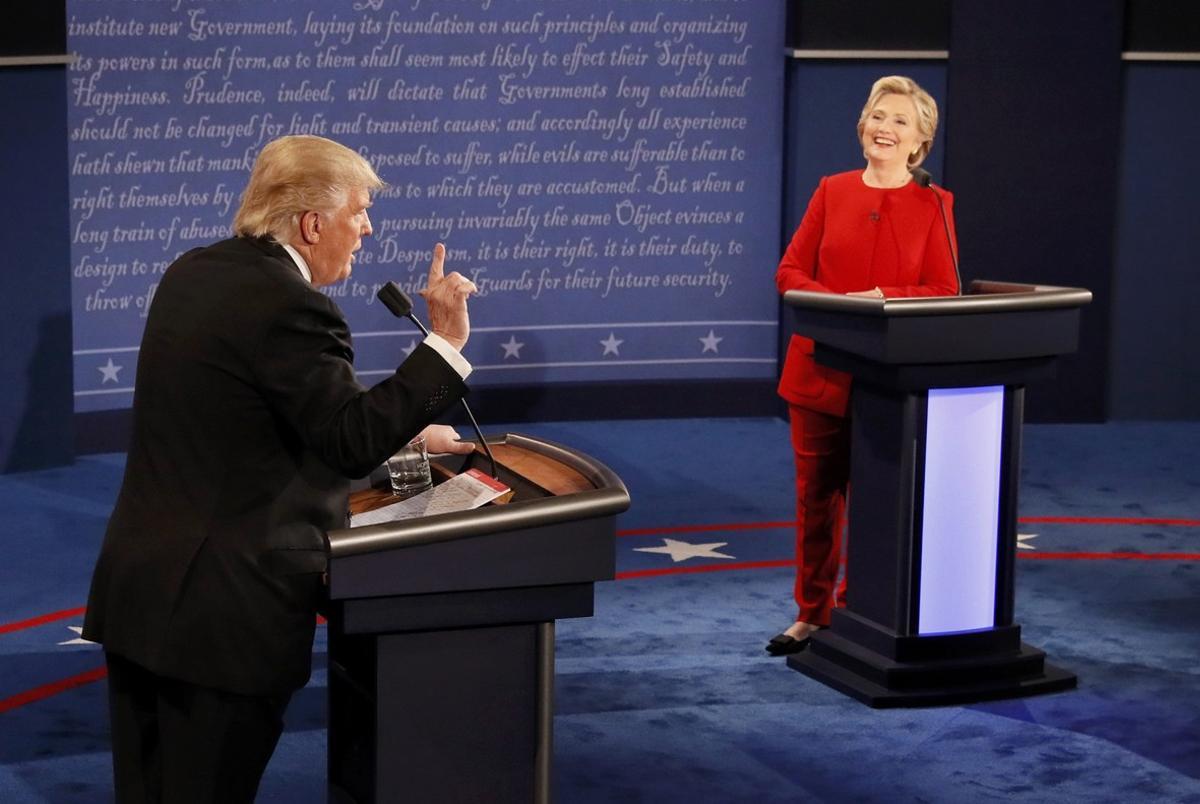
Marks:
<point>179,743</point>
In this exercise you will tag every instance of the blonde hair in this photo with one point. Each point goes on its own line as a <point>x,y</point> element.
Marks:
<point>294,175</point>
<point>927,111</point>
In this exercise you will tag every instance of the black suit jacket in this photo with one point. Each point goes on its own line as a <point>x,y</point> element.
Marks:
<point>247,421</point>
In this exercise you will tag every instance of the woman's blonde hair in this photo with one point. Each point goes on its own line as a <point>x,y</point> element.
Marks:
<point>927,111</point>
<point>294,175</point>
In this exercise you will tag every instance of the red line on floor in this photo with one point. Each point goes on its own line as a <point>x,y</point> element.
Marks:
<point>1109,520</point>
<point>1108,556</point>
<point>53,688</point>
<point>1025,520</point>
<point>702,528</point>
<point>42,620</point>
<point>740,565</point>
<point>791,562</point>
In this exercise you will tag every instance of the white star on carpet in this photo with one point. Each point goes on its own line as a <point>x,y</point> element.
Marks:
<point>710,342</point>
<point>512,348</point>
<point>610,345</point>
<point>1024,537</point>
<point>78,640</point>
<point>408,350</point>
<point>109,370</point>
<point>682,551</point>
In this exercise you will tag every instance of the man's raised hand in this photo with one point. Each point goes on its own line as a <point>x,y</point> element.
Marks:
<point>446,296</point>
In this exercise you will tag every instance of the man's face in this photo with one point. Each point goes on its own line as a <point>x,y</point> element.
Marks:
<point>341,233</point>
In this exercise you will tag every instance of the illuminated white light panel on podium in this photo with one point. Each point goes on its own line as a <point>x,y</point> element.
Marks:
<point>961,510</point>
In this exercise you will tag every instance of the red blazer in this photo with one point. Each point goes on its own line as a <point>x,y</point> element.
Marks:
<point>855,237</point>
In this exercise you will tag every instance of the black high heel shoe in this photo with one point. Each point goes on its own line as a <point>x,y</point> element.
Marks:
<point>783,645</point>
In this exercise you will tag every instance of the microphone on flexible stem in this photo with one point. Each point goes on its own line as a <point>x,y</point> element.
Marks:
<point>921,176</point>
<point>400,305</point>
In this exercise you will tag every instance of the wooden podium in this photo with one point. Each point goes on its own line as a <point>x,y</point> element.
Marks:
<point>441,630</point>
<point>936,411</point>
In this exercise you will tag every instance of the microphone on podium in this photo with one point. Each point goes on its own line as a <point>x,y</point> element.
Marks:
<point>921,177</point>
<point>400,305</point>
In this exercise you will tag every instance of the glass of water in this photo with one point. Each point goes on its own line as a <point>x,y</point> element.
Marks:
<point>408,469</point>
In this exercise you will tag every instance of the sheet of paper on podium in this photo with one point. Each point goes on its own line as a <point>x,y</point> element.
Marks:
<point>462,492</point>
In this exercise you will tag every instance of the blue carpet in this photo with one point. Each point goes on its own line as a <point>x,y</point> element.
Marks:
<point>666,695</point>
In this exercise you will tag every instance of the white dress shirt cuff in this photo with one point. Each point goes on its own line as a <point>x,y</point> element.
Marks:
<point>449,354</point>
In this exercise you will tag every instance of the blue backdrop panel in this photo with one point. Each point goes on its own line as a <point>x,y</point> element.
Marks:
<point>1036,91</point>
<point>35,301</point>
<point>1155,328</point>
<point>607,172</point>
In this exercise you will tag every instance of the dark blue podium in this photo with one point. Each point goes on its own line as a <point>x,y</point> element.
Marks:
<point>937,411</point>
<point>441,630</point>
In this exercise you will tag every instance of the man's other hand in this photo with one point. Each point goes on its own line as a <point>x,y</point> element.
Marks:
<point>441,438</point>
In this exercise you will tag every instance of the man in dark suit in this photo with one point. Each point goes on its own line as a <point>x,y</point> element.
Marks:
<point>247,422</point>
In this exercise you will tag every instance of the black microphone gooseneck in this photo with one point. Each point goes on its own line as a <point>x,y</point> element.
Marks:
<point>921,176</point>
<point>400,305</point>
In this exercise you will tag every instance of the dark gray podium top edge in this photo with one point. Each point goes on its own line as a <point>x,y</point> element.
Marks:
<point>609,497</point>
<point>984,296</point>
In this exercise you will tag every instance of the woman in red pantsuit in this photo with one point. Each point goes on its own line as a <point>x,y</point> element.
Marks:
<point>872,232</point>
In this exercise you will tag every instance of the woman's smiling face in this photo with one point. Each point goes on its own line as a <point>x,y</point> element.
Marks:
<point>890,131</point>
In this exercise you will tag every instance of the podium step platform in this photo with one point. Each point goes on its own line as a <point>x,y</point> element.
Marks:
<point>882,682</point>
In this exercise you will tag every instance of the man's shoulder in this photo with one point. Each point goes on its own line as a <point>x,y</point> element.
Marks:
<point>239,250</point>
<point>239,260</point>
<point>244,281</point>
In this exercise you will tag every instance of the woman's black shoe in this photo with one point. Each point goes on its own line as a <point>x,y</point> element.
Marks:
<point>782,644</point>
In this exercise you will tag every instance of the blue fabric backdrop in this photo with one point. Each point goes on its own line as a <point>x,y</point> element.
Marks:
<point>608,173</point>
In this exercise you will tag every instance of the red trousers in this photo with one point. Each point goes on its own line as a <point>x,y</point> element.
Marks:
<point>821,444</point>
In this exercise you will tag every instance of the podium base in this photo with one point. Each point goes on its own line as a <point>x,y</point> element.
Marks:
<point>883,682</point>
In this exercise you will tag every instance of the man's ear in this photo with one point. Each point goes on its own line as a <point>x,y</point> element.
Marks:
<point>310,227</point>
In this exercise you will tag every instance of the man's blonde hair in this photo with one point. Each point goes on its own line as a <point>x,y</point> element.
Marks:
<point>294,175</point>
<point>927,111</point>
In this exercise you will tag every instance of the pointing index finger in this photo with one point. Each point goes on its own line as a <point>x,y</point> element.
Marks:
<point>436,270</point>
